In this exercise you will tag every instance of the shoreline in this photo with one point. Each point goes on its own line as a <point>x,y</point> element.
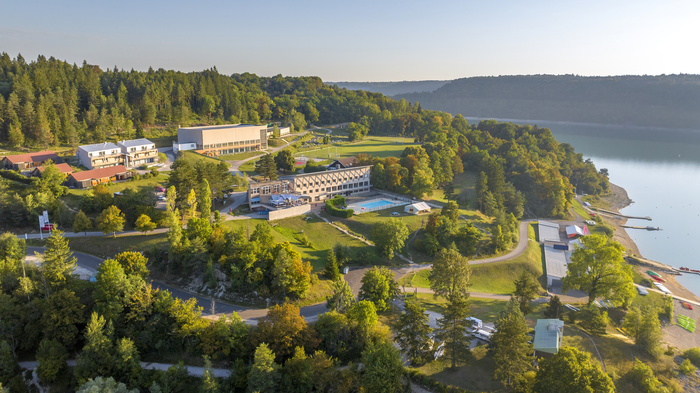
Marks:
<point>618,200</point>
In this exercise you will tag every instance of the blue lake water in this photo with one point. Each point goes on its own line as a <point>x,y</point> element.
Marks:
<point>660,169</point>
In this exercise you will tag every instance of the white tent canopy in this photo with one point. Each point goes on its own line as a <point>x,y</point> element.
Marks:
<point>416,208</point>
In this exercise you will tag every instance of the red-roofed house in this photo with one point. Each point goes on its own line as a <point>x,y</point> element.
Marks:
<point>94,177</point>
<point>21,162</point>
<point>64,168</point>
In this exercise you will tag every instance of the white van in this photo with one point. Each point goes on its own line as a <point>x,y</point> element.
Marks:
<point>483,335</point>
<point>475,323</point>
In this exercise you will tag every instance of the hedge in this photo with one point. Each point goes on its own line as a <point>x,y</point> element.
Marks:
<point>16,176</point>
<point>334,211</point>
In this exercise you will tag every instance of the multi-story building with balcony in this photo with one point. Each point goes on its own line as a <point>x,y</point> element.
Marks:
<point>130,154</point>
<point>314,187</point>
<point>100,155</point>
<point>223,139</point>
<point>138,152</point>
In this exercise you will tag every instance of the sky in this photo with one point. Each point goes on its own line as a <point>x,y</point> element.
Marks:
<point>362,40</point>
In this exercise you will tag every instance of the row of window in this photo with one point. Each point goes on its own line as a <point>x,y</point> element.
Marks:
<point>333,181</point>
<point>226,144</point>
<point>338,188</point>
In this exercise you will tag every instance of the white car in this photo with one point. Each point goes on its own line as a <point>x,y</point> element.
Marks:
<point>395,213</point>
<point>590,222</point>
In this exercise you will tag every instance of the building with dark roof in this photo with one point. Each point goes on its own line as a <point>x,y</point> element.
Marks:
<point>20,162</point>
<point>342,163</point>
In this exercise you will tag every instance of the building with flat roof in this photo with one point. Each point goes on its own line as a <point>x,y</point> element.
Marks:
<point>138,152</point>
<point>20,162</point>
<point>548,231</point>
<point>317,186</point>
<point>100,155</point>
<point>223,139</point>
<point>555,265</point>
<point>549,334</point>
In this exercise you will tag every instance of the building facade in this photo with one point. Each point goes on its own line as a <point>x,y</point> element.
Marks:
<point>21,162</point>
<point>223,139</point>
<point>86,179</point>
<point>138,152</point>
<point>317,186</point>
<point>131,153</point>
<point>100,155</point>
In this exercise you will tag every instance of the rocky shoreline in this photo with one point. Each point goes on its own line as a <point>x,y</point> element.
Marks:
<point>618,200</point>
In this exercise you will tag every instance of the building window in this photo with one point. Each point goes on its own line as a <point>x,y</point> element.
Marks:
<point>265,190</point>
<point>277,188</point>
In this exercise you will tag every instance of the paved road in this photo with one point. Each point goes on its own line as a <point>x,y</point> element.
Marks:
<point>248,314</point>
<point>192,370</point>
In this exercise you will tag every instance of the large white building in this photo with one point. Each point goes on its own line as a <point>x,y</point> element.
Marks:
<point>222,139</point>
<point>131,153</point>
<point>314,187</point>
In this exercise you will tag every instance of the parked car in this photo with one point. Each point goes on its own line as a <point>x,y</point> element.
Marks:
<point>589,222</point>
<point>395,213</point>
<point>483,335</point>
<point>160,189</point>
<point>162,198</point>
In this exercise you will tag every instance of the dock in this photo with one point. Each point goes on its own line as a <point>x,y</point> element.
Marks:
<point>648,228</point>
<point>616,214</point>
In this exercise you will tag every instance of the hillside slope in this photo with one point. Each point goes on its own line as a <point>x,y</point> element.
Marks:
<point>658,101</point>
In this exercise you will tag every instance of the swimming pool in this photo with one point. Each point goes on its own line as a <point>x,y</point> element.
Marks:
<point>374,204</point>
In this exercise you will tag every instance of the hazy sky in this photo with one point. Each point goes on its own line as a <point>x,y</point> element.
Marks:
<point>362,40</point>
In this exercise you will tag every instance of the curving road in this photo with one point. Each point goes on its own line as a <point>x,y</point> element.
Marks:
<point>249,315</point>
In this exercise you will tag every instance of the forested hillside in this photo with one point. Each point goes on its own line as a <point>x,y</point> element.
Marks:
<point>657,101</point>
<point>393,88</point>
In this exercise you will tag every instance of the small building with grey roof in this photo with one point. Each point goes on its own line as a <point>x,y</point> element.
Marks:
<point>548,231</point>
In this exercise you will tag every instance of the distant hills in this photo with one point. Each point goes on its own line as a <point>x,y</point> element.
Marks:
<point>393,88</point>
<point>671,101</point>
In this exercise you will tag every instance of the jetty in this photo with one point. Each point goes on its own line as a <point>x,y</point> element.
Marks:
<point>654,264</point>
<point>616,214</point>
<point>648,228</point>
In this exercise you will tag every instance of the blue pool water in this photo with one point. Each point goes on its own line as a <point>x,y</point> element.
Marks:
<point>373,204</point>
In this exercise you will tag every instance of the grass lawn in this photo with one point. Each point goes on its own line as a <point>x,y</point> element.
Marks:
<point>322,236</point>
<point>495,277</point>
<point>194,157</point>
<point>464,188</point>
<point>377,146</point>
<point>108,247</point>
<point>240,156</point>
<point>475,376</point>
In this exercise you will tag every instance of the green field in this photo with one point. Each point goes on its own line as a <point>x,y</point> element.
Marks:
<point>377,146</point>
<point>495,277</point>
<point>322,236</point>
<point>194,157</point>
<point>240,156</point>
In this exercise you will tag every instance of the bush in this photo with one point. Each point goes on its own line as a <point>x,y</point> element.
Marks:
<point>693,354</point>
<point>687,367</point>
<point>16,176</point>
<point>334,211</point>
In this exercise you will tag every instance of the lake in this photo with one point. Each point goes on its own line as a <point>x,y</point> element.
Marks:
<point>660,169</point>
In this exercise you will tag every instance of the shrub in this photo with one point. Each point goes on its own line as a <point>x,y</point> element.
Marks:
<point>693,354</point>
<point>16,176</point>
<point>334,211</point>
<point>687,367</point>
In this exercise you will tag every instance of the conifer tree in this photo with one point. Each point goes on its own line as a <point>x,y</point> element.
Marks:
<point>413,333</point>
<point>452,328</point>
<point>331,271</point>
<point>264,375</point>
<point>205,201</point>
<point>509,346</point>
<point>58,262</point>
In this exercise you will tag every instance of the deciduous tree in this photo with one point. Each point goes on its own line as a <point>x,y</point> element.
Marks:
<point>389,236</point>
<point>341,298</point>
<point>111,220</point>
<point>450,273</point>
<point>264,375</point>
<point>144,224</point>
<point>526,290</point>
<point>383,372</point>
<point>598,268</point>
<point>571,370</point>
<point>284,160</point>
<point>379,286</point>
<point>82,223</point>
